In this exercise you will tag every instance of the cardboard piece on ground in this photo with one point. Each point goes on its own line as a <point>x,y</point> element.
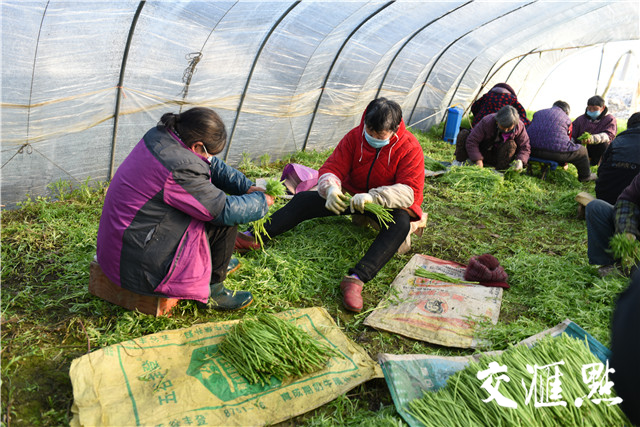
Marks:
<point>434,311</point>
<point>408,376</point>
<point>177,377</point>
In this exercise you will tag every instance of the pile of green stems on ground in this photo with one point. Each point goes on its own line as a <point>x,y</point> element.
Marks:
<point>542,386</point>
<point>49,318</point>
<point>265,346</point>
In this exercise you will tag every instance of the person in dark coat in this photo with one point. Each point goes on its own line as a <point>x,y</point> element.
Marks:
<point>625,348</point>
<point>491,102</point>
<point>170,215</point>
<point>605,220</point>
<point>499,140</point>
<point>550,139</point>
<point>601,126</point>
<point>620,162</point>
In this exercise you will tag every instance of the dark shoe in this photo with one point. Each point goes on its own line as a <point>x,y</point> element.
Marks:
<point>234,264</point>
<point>589,178</point>
<point>352,293</point>
<point>607,270</point>
<point>245,243</point>
<point>223,299</point>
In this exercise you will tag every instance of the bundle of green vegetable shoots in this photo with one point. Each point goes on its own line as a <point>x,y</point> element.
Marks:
<point>274,188</point>
<point>423,272</point>
<point>585,136</point>
<point>626,249</point>
<point>268,346</point>
<point>464,401</point>
<point>473,180</point>
<point>383,215</point>
<point>433,165</point>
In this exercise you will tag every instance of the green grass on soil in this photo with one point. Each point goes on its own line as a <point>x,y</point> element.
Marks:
<point>49,318</point>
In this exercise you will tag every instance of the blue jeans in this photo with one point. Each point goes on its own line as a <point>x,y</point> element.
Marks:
<point>600,228</point>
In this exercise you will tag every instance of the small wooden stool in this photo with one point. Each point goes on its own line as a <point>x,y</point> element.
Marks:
<point>545,166</point>
<point>102,287</point>
<point>583,198</point>
<point>417,227</point>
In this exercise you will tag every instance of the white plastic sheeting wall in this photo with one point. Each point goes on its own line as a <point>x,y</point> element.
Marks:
<point>83,80</point>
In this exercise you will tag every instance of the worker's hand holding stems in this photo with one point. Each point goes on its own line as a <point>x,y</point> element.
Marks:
<point>336,200</point>
<point>359,200</point>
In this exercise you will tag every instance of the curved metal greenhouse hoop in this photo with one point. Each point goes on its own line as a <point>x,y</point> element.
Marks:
<point>486,77</point>
<point>116,114</point>
<point>424,27</point>
<point>253,67</point>
<point>450,45</point>
<point>464,73</point>
<point>195,59</point>
<point>333,63</point>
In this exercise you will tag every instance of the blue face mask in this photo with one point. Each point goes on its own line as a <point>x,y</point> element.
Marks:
<point>375,142</point>
<point>593,114</point>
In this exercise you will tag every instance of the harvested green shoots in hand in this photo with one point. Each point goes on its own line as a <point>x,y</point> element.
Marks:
<point>466,400</point>
<point>625,249</point>
<point>383,215</point>
<point>584,137</point>
<point>423,272</point>
<point>273,188</point>
<point>268,346</point>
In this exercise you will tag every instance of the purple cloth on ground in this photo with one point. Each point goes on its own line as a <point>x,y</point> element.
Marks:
<point>299,178</point>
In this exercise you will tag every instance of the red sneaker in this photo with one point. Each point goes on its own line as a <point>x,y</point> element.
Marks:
<point>352,293</point>
<point>245,243</point>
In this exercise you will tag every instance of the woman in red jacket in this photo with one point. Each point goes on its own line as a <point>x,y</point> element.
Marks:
<point>379,161</point>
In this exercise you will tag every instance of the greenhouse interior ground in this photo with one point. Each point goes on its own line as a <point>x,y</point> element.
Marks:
<point>83,81</point>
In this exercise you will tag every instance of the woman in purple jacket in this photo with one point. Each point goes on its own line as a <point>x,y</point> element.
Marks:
<point>499,140</point>
<point>170,216</point>
<point>602,126</point>
<point>550,139</point>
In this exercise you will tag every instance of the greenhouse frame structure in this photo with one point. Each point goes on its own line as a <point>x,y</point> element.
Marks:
<point>82,81</point>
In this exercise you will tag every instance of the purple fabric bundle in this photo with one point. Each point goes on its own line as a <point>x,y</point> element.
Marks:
<point>299,178</point>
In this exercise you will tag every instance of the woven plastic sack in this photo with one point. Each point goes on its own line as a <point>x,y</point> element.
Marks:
<point>177,377</point>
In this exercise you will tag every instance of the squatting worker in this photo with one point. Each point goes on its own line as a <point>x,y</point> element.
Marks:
<point>167,227</point>
<point>620,162</point>
<point>499,140</point>
<point>550,139</point>
<point>601,125</point>
<point>605,220</point>
<point>379,161</point>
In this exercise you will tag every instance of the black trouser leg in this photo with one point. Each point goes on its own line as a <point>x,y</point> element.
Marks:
<point>305,205</point>
<point>595,152</point>
<point>309,204</point>
<point>221,241</point>
<point>461,145</point>
<point>579,158</point>
<point>384,246</point>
